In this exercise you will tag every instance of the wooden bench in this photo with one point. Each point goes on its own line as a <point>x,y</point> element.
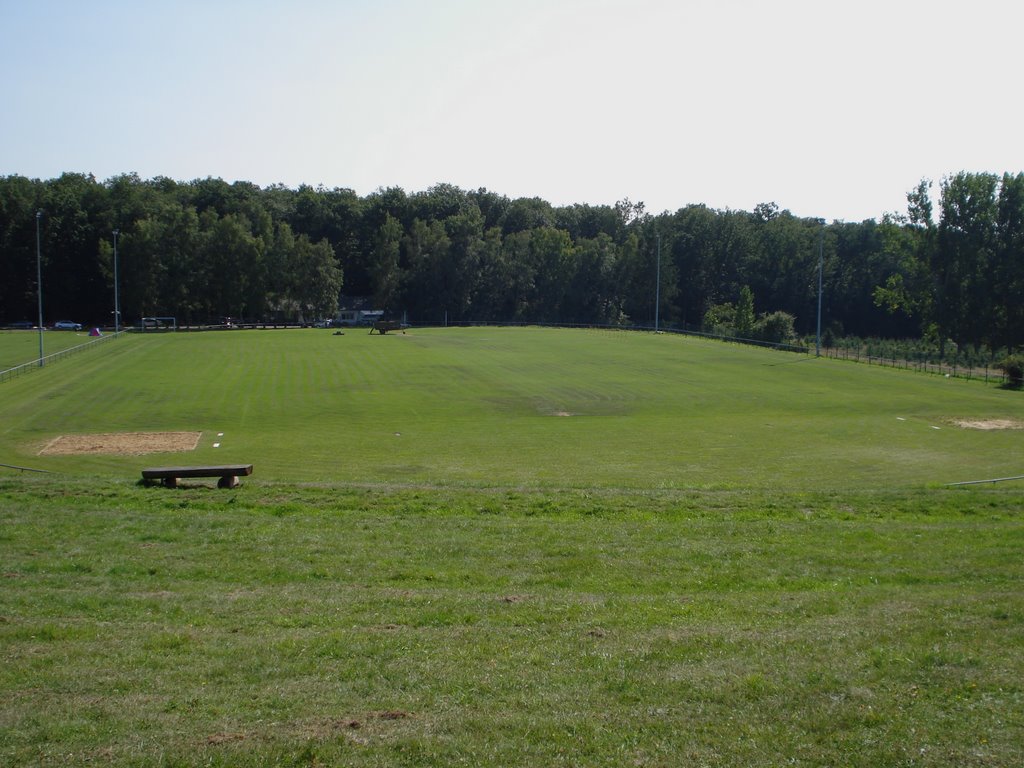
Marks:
<point>383,326</point>
<point>228,474</point>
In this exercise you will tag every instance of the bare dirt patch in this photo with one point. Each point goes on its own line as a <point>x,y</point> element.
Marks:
<point>123,443</point>
<point>988,424</point>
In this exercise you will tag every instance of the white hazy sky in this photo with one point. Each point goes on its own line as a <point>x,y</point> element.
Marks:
<point>829,109</point>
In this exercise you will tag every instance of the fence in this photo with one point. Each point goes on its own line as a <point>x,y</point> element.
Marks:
<point>25,368</point>
<point>986,373</point>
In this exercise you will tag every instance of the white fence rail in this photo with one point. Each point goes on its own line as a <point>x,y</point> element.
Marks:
<point>26,368</point>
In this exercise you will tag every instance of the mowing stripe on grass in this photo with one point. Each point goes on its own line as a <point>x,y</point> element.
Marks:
<point>522,407</point>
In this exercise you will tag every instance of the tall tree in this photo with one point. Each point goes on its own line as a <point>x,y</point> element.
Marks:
<point>20,198</point>
<point>459,272</point>
<point>744,319</point>
<point>1007,299</point>
<point>591,297</point>
<point>556,260</point>
<point>384,267</point>
<point>318,279</point>
<point>908,247</point>
<point>962,261</point>
<point>426,253</point>
<point>234,267</point>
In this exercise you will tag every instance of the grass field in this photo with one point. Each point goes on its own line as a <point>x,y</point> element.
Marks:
<point>523,408</point>
<point>722,556</point>
<point>18,347</point>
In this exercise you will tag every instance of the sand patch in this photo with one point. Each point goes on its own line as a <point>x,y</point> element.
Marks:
<point>125,443</point>
<point>989,424</point>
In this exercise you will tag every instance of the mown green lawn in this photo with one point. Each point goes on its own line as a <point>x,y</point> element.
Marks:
<point>20,347</point>
<point>498,547</point>
<point>515,407</point>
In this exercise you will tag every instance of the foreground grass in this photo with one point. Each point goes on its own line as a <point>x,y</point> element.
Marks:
<point>307,625</point>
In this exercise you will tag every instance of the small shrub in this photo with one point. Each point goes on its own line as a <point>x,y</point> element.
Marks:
<point>1013,367</point>
<point>776,327</point>
<point>720,319</point>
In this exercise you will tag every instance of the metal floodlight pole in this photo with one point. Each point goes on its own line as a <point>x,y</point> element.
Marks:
<point>657,287</point>
<point>117,302</point>
<point>821,268</point>
<point>39,286</point>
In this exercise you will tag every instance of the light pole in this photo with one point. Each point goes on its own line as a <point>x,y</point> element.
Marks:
<point>117,302</point>
<point>39,286</point>
<point>657,287</point>
<point>821,268</point>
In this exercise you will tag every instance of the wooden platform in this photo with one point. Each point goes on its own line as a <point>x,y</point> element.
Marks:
<point>228,474</point>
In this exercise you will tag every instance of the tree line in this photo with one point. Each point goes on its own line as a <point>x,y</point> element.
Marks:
<point>204,249</point>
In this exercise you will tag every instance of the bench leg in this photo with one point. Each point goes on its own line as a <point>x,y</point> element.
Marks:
<point>228,481</point>
<point>170,482</point>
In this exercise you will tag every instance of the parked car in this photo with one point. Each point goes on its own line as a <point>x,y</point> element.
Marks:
<point>67,325</point>
<point>21,325</point>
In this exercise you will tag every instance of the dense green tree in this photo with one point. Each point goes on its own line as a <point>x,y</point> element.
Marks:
<point>635,281</point>
<point>494,294</point>
<point>586,222</point>
<point>907,287</point>
<point>282,281</point>
<point>525,213</point>
<point>384,268</point>
<point>337,216</point>
<point>19,201</point>
<point>457,273</point>
<point>492,206</point>
<point>856,263</point>
<point>233,267</point>
<point>591,297</point>
<point>962,261</point>
<point>179,240</point>
<point>317,279</point>
<point>73,280</point>
<point>440,202</point>
<point>708,250</point>
<point>555,261</point>
<point>142,271</point>
<point>519,267</point>
<point>426,255</point>
<point>785,266</point>
<point>206,248</point>
<point>1007,299</point>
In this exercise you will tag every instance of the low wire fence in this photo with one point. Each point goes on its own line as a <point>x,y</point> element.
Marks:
<point>26,368</point>
<point>981,370</point>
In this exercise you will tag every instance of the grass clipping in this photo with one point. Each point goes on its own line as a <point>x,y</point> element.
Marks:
<point>122,443</point>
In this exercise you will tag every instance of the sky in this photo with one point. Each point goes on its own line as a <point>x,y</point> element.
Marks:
<point>831,110</point>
